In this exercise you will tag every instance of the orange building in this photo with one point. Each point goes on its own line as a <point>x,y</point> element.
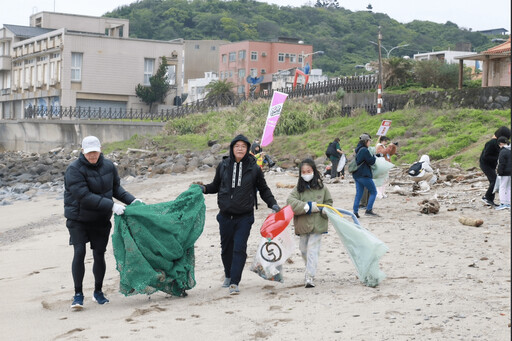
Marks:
<point>255,58</point>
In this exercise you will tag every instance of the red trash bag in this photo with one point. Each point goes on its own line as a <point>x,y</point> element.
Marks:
<point>276,222</point>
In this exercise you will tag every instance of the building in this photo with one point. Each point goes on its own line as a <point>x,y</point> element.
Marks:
<point>254,58</point>
<point>79,61</point>
<point>196,86</point>
<point>201,56</point>
<point>448,57</point>
<point>495,31</point>
<point>285,78</point>
<point>496,65</point>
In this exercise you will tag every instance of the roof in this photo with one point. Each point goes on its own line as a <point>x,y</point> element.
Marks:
<point>500,49</point>
<point>27,31</point>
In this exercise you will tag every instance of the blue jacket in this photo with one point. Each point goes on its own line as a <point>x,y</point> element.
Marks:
<point>363,155</point>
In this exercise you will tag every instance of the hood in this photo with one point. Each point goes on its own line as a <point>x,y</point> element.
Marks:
<point>425,159</point>
<point>360,145</point>
<point>235,140</point>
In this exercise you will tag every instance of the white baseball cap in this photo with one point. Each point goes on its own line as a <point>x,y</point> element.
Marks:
<point>91,144</point>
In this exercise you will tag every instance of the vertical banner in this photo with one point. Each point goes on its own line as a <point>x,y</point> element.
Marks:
<point>274,112</point>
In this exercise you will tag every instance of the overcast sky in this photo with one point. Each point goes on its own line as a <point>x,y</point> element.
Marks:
<point>477,15</point>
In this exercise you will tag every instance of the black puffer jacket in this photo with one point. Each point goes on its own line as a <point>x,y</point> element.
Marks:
<point>237,197</point>
<point>89,190</point>
<point>505,162</point>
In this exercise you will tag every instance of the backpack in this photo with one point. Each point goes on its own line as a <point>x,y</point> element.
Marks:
<point>415,168</point>
<point>353,166</point>
<point>331,150</point>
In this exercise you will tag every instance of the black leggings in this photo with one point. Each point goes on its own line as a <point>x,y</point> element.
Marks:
<point>78,268</point>
<point>490,173</point>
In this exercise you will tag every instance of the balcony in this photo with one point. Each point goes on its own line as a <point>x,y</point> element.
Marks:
<point>5,63</point>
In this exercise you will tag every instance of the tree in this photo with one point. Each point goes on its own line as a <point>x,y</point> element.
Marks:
<point>220,89</point>
<point>396,71</point>
<point>327,3</point>
<point>158,88</point>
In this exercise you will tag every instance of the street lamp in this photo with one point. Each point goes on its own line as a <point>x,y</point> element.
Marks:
<point>388,52</point>
<point>304,56</point>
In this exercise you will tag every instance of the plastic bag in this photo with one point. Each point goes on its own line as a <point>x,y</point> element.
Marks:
<point>363,247</point>
<point>271,255</point>
<point>380,171</point>
<point>341,163</point>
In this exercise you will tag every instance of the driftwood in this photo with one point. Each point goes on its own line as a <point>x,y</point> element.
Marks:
<point>470,221</point>
<point>133,150</point>
<point>470,181</point>
<point>281,185</point>
<point>429,206</point>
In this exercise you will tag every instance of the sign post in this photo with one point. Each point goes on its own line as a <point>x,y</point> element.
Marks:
<point>384,127</point>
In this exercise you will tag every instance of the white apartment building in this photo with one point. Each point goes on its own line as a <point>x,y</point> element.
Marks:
<point>447,57</point>
<point>196,86</point>
<point>79,61</point>
<point>284,79</point>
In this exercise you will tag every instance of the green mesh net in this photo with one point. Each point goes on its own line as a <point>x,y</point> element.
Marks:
<point>154,244</point>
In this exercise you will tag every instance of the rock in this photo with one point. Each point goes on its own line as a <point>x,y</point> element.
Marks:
<point>20,188</point>
<point>215,148</point>
<point>212,142</point>
<point>429,206</point>
<point>177,168</point>
<point>209,160</point>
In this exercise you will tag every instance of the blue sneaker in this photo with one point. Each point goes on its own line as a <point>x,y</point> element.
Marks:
<point>502,207</point>
<point>78,302</point>
<point>226,283</point>
<point>99,297</point>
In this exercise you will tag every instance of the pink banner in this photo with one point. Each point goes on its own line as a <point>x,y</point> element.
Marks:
<point>274,112</point>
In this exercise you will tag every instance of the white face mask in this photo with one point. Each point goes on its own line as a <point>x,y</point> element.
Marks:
<point>307,177</point>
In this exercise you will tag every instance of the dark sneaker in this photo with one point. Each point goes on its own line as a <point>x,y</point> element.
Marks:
<point>488,202</point>
<point>309,282</point>
<point>226,283</point>
<point>357,215</point>
<point>78,302</point>
<point>371,214</point>
<point>233,289</point>
<point>99,297</point>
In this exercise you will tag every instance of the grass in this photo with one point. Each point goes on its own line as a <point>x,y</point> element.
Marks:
<point>305,130</point>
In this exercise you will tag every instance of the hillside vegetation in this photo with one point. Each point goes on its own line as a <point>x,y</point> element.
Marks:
<point>343,35</point>
<point>305,129</point>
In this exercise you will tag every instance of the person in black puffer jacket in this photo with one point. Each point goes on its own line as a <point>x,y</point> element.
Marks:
<point>489,160</point>
<point>504,172</point>
<point>90,184</point>
<point>236,181</point>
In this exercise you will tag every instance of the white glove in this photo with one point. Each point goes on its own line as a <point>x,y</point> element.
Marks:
<point>311,207</point>
<point>137,200</point>
<point>314,208</point>
<point>118,209</point>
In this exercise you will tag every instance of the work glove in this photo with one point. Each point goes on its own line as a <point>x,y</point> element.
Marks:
<point>137,200</point>
<point>379,155</point>
<point>276,208</point>
<point>118,209</point>
<point>323,211</point>
<point>311,207</point>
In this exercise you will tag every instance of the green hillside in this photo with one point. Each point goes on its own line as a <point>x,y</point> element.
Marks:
<point>344,35</point>
<point>454,135</point>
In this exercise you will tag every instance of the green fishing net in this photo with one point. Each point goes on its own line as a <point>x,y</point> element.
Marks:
<point>154,244</point>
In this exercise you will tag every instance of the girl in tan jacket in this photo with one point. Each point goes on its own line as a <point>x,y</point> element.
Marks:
<point>309,221</point>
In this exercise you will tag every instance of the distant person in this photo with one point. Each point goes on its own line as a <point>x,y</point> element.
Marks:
<point>236,181</point>
<point>309,221</point>
<point>489,161</point>
<point>426,173</point>
<point>363,176</point>
<point>335,153</point>
<point>504,172</point>
<point>387,149</point>
<point>261,157</point>
<point>90,184</point>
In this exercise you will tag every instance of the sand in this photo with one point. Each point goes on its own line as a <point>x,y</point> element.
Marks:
<point>445,280</point>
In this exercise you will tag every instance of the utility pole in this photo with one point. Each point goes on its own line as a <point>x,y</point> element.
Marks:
<point>379,90</point>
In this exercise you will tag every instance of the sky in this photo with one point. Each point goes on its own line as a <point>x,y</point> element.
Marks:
<point>477,15</point>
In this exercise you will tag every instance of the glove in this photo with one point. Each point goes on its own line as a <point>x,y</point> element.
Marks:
<point>379,155</point>
<point>137,200</point>
<point>314,207</point>
<point>118,209</point>
<point>276,208</point>
<point>323,211</point>
<point>200,184</point>
<point>396,144</point>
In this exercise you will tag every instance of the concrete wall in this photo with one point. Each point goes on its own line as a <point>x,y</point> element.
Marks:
<point>41,136</point>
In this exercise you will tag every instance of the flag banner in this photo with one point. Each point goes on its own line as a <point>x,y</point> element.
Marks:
<point>274,112</point>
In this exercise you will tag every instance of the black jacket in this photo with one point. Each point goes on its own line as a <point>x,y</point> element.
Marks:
<point>490,153</point>
<point>238,196</point>
<point>505,162</point>
<point>89,190</point>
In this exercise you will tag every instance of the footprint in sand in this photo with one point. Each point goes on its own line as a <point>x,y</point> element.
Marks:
<point>70,332</point>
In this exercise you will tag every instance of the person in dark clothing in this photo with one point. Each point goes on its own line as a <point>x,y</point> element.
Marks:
<point>489,161</point>
<point>90,183</point>
<point>363,176</point>
<point>504,172</point>
<point>236,181</point>
<point>335,158</point>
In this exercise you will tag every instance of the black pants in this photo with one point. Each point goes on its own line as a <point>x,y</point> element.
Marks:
<point>334,168</point>
<point>490,173</point>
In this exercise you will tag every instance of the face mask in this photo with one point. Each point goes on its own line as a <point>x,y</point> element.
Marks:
<point>307,177</point>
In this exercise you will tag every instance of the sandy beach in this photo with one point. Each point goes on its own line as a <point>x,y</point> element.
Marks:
<point>445,280</point>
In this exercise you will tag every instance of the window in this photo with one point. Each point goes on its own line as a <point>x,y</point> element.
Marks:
<point>76,66</point>
<point>241,89</point>
<point>241,55</point>
<point>196,47</point>
<point>213,48</point>
<point>280,57</point>
<point>232,56</point>
<point>224,58</point>
<point>230,74</point>
<point>254,72</point>
<point>149,65</point>
<point>241,73</point>
<point>293,58</point>
<point>170,74</point>
<point>254,55</point>
<point>300,58</point>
